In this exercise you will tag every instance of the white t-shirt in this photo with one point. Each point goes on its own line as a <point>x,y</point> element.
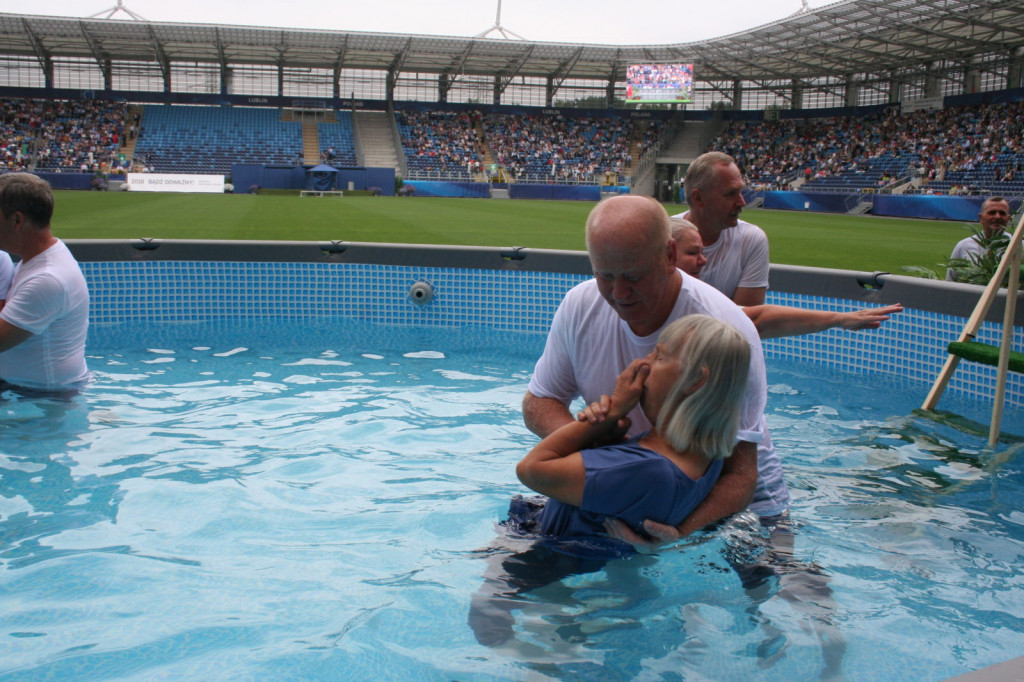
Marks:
<point>6,273</point>
<point>49,298</point>
<point>963,249</point>
<point>739,258</point>
<point>589,345</point>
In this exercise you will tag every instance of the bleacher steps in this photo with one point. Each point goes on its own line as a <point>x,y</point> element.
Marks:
<point>310,143</point>
<point>128,141</point>
<point>685,146</point>
<point>861,208</point>
<point>487,157</point>
<point>376,139</point>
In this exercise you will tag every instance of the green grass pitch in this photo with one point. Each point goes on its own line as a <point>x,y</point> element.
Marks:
<point>825,240</point>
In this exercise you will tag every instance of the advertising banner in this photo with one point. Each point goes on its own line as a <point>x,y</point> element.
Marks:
<point>175,182</point>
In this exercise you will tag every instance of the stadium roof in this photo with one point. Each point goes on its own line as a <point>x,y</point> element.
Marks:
<point>847,37</point>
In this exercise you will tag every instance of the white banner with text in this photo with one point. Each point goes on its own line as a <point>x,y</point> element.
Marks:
<point>175,182</point>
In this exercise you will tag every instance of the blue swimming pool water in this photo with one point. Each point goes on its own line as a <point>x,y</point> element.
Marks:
<point>297,500</point>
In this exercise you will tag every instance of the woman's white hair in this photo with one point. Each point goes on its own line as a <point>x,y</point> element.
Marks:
<point>678,224</point>
<point>715,358</point>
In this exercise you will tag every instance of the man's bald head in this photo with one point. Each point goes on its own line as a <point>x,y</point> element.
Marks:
<point>634,260</point>
<point>635,220</point>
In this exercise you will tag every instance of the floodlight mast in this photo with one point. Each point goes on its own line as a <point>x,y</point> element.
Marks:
<point>498,28</point>
<point>119,7</point>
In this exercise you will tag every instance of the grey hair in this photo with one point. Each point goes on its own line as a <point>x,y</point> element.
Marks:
<point>707,419</point>
<point>992,200</point>
<point>701,173</point>
<point>29,194</point>
<point>680,225</point>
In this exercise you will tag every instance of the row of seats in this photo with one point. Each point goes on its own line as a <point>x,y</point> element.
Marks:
<point>211,139</point>
<point>337,140</point>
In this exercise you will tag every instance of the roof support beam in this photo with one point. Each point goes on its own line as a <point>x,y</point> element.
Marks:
<point>339,64</point>
<point>609,94</point>
<point>222,59</point>
<point>102,60</point>
<point>562,73</point>
<point>45,60</point>
<point>161,57</point>
<point>512,70</point>
<point>452,73</point>
<point>395,68</point>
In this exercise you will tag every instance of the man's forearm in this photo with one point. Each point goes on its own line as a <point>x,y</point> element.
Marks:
<point>11,336</point>
<point>730,494</point>
<point>773,321</point>
<point>544,416</point>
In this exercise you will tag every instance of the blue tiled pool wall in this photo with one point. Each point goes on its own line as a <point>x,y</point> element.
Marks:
<point>912,345</point>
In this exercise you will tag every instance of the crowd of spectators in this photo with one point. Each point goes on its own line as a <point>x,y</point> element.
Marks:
<point>554,147</point>
<point>773,154</point>
<point>958,150</point>
<point>526,147</point>
<point>441,142</point>
<point>57,135</point>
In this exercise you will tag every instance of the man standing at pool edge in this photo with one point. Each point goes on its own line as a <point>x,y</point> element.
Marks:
<point>607,322</point>
<point>44,322</point>
<point>994,217</point>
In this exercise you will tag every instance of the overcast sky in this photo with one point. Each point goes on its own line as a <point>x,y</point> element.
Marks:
<point>616,22</point>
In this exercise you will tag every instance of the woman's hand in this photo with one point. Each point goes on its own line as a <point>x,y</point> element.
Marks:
<point>629,387</point>
<point>596,411</point>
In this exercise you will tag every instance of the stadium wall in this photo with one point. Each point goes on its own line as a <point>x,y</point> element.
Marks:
<point>244,176</point>
<point>469,190</point>
<point>68,180</point>
<point>922,206</point>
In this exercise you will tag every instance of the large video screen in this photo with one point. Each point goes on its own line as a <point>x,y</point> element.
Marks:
<point>659,83</point>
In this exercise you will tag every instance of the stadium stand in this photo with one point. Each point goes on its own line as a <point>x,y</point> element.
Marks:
<point>196,139</point>
<point>56,135</point>
<point>968,150</point>
<point>558,149</point>
<point>440,144</point>
<point>961,150</point>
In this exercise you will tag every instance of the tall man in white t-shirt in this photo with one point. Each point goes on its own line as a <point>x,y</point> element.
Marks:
<point>737,265</point>
<point>737,251</point>
<point>44,321</point>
